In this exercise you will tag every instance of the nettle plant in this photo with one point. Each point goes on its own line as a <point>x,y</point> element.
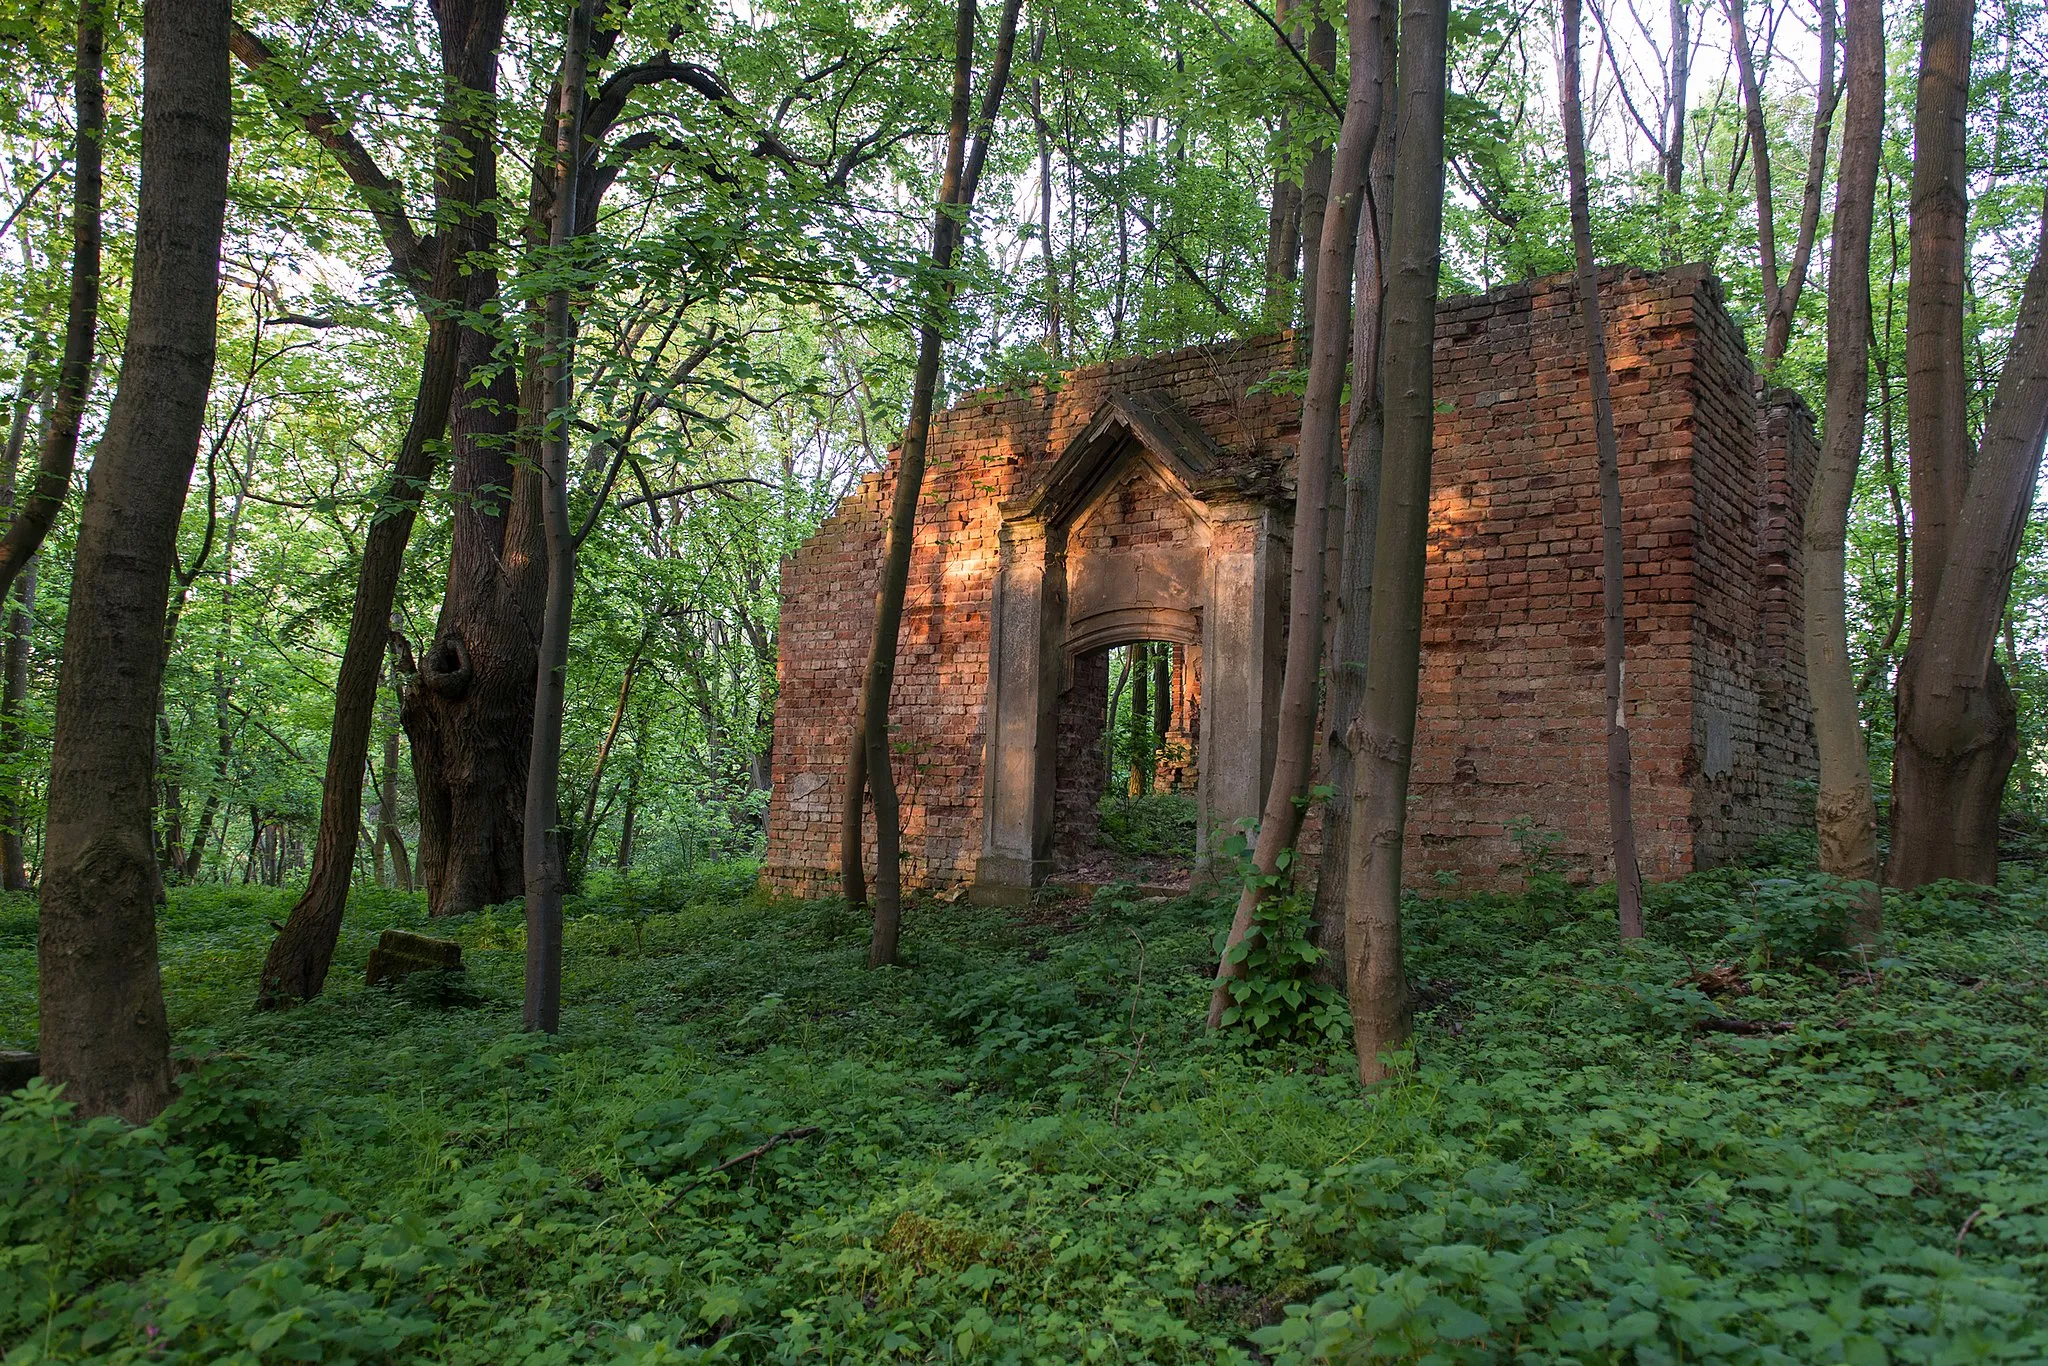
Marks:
<point>1279,998</point>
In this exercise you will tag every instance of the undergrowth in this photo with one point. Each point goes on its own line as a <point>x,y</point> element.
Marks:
<point>1022,1147</point>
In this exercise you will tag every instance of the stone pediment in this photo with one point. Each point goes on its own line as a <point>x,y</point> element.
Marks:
<point>1159,428</point>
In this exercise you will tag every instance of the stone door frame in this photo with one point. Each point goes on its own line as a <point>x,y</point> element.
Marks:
<point>1224,592</point>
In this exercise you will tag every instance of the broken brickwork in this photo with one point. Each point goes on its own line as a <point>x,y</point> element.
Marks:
<point>1150,500</point>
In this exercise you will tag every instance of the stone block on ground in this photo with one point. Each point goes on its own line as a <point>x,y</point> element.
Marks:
<point>400,953</point>
<point>17,1069</point>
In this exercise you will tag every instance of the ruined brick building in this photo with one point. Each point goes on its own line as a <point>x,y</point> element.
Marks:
<point>1150,500</point>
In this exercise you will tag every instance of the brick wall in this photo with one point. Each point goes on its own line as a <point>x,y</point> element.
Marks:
<point>1511,721</point>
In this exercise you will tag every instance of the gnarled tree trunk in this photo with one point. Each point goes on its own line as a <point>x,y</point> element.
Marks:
<point>1958,729</point>
<point>104,1033</point>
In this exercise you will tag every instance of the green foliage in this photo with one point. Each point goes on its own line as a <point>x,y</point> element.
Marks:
<point>1028,1148</point>
<point>1278,999</point>
<point>1158,824</point>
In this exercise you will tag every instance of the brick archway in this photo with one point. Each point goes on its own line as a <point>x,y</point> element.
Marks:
<point>1129,537</point>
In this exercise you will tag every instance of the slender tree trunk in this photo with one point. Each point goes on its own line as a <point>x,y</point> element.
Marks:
<point>296,967</point>
<point>1141,713</point>
<point>1355,528</point>
<point>956,200</point>
<point>1319,451</point>
<point>1778,328</point>
<point>587,828</point>
<point>547,873</point>
<point>1958,722</point>
<point>1383,737</point>
<point>1759,155</point>
<point>389,834</point>
<point>1845,815</point>
<point>1674,136</point>
<point>1052,274</point>
<point>623,861</point>
<point>852,813</point>
<point>14,691</point>
<point>105,1038</point>
<point>1321,51</point>
<point>1628,878</point>
<point>20,635</point>
<point>1283,213</point>
<point>35,514</point>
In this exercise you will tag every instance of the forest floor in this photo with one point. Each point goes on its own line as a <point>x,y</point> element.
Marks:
<point>1021,1146</point>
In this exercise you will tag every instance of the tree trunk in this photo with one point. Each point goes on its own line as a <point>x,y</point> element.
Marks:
<point>35,514</point>
<point>1319,450</point>
<point>1674,137</point>
<point>546,867</point>
<point>1759,156</point>
<point>956,201</point>
<point>587,827</point>
<point>1052,275</point>
<point>1356,528</point>
<point>105,1038</point>
<point>1628,878</point>
<point>623,861</point>
<point>388,833</point>
<point>1845,816</point>
<point>1958,722</point>
<point>1141,714</point>
<point>468,709</point>
<point>1383,737</point>
<point>1778,327</point>
<point>1314,203</point>
<point>20,632</point>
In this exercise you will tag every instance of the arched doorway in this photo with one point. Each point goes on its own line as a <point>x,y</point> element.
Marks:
<point>1129,538</point>
<point>1127,776</point>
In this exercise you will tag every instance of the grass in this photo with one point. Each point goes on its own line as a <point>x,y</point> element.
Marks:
<point>1022,1147</point>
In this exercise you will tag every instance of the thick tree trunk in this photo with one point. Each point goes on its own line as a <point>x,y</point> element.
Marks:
<point>1958,722</point>
<point>956,200</point>
<point>35,514</point>
<point>1383,737</point>
<point>1319,451</point>
<point>1355,527</point>
<point>1844,814</point>
<point>104,1035</point>
<point>546,864</point>
<point>1628,878</point>
<point>468,709</point>
<point>1937,396</point>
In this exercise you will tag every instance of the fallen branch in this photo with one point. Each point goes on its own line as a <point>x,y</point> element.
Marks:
<point>1728,1024</point>
<point>759,1150</point>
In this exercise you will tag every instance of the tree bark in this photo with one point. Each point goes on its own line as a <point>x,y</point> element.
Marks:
<point>1383,737</point>
<point>1674,137</point>
<point>20,633</point>
<point>1759,156</point>
<point>1052,275</point>
<point>1958,722</point>
<point>14,690</point>
<point>956,201</point>
<point>546,865</point>
<point>1778,327</point>
<point>587,827</point>
<point>1355,528</point>
<point>1628,877</point>
<point>1937,397</point>
<point>468,708</point>
<point>388,832</point>
<point>1845,816</point>
<point>1319,451</point>
<point>103,1029</point>
<point>35,514</point>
